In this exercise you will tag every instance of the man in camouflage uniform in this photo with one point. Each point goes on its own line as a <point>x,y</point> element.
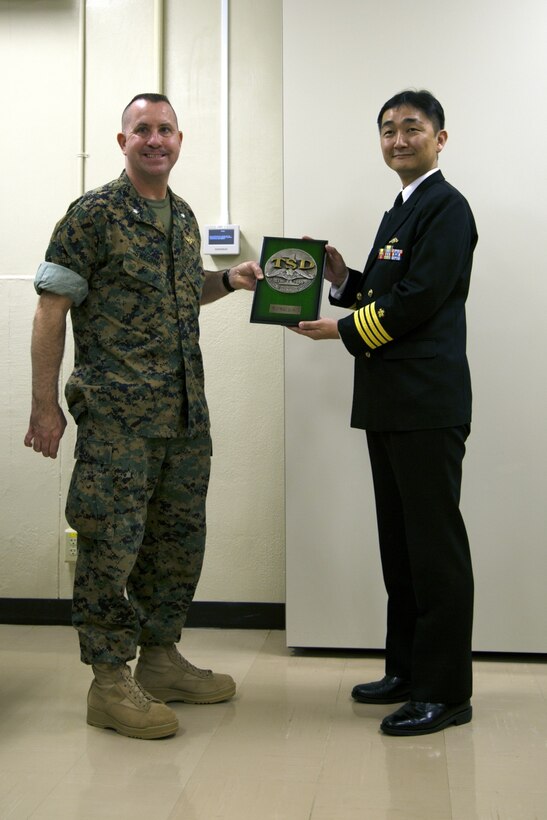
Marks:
<point>125,260</point>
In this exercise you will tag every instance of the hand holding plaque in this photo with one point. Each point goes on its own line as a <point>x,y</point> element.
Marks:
<point>293,280</point>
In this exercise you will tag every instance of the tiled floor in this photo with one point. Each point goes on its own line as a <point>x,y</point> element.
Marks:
<point>291,746</point>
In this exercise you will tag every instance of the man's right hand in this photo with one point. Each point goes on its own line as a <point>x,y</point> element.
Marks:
<point>336,270</point>
<point>46,428</point>
<point>47,420</point>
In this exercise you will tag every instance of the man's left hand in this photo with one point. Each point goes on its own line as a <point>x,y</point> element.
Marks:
<point>320,329</point>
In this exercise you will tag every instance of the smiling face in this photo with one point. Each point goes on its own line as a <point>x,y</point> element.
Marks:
<point>410,143</point>
<point>151,143</point>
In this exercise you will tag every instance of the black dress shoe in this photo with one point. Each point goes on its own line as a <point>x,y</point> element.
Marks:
<point>419,718</point>
<point>390,689</point>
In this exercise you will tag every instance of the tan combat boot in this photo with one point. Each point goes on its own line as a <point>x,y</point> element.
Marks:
<point>167,675</point>
<point>117,701</point>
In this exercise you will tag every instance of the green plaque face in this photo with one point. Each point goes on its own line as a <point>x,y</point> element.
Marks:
<point>293,279</point>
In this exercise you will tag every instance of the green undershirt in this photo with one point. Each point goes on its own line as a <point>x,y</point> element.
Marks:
<point>162,209</point>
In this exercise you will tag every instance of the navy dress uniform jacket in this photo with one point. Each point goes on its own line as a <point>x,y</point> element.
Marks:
<point>408,329</point>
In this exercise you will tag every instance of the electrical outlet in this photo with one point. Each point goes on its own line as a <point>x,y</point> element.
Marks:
<point>71,545</point>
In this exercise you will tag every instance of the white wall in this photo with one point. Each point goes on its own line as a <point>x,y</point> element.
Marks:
<point>39,61</point>
<point>487,63</point>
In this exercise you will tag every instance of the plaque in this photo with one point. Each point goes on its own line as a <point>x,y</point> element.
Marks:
<point>293,280</point>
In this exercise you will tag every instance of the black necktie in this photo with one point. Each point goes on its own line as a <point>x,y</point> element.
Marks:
<point>393,212</point>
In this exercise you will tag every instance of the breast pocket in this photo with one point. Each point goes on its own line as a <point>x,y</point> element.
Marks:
<point>142,273</point>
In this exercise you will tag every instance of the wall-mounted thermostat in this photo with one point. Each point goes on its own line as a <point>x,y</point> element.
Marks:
<point>221,239</point>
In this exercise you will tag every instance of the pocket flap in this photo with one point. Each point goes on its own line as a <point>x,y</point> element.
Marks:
<point>94,451</point>
<point>418,349</point>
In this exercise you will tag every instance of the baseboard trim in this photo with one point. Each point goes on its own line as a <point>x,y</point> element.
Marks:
<point>212,614</point>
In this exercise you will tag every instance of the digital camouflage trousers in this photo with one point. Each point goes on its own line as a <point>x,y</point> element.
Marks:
<point>138,506</point>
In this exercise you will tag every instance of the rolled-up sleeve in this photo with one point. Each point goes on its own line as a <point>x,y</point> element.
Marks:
<point>62,281</point>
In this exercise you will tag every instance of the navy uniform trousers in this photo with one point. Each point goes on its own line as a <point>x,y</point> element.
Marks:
<point>426,559</point>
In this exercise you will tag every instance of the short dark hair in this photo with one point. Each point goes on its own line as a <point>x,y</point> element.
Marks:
<point>422,100</point>
<point>149,97</point>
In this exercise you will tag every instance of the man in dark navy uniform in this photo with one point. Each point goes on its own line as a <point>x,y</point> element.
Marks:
<point>412,394</point>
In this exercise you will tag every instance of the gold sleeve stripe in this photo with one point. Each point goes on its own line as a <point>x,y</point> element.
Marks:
<point>363,329</point>
<point>374,320</point>
<point>369,328</point>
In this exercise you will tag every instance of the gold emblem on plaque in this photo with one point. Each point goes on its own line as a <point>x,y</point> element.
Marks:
<point>290,270</point>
